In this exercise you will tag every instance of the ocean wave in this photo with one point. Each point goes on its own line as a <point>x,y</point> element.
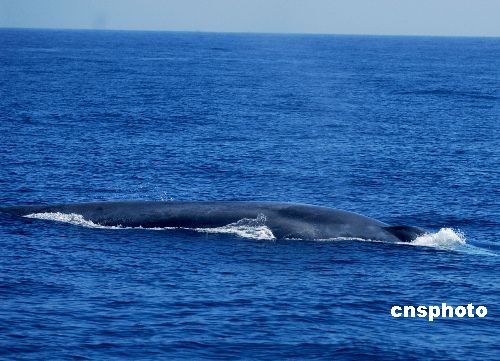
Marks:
<point>451,93</point>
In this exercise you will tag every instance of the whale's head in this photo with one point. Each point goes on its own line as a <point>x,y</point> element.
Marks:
<point>405,233</point>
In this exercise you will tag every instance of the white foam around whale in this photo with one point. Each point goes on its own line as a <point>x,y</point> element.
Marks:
<point>71,218</point>
<point>448,239</point>
<point>444,239</point>
<point>246,228</point>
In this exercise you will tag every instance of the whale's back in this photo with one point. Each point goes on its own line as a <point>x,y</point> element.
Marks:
<point>285,220</point>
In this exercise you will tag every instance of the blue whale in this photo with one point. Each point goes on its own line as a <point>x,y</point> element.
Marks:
<point>285,220</point>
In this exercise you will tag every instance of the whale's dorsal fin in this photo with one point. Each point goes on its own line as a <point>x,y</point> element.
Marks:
<point>405,233</point>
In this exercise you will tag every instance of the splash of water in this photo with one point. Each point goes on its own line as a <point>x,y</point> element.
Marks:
<point>448,239</point>
<point>71,218</point>
<point>445,238</point>
<point>246,228</point>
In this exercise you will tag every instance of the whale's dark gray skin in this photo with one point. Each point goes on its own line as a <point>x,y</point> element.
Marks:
<point>286,220</point>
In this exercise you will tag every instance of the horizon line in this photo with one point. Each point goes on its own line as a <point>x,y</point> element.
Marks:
<point>249,32</point>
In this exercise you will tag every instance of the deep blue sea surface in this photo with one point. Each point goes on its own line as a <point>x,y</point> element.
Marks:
<point>402,129</point>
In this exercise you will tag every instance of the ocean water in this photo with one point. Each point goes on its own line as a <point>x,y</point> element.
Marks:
<point>402,129</point>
